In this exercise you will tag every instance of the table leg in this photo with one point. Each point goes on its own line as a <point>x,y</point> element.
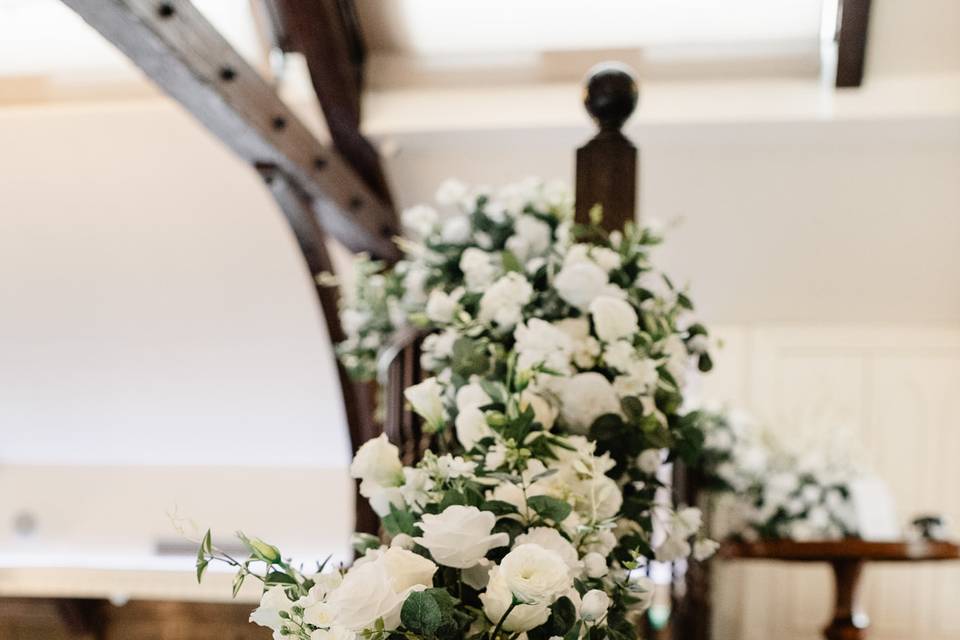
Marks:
<point>849,621</point>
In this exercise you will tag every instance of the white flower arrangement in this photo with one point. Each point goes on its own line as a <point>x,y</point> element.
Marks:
<point>767,491</point>
<point>558,359</point>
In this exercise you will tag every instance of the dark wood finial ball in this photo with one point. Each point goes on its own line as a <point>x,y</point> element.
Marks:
<point>611,94</point>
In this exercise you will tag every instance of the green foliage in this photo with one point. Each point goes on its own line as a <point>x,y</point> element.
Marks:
<point>549,508</point>
<point>563,615</point>
<point>430,613</point>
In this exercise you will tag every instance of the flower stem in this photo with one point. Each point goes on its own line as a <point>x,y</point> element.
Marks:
<point>506,613</point>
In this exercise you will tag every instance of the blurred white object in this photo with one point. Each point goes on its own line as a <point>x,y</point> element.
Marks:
<point>874,509</point>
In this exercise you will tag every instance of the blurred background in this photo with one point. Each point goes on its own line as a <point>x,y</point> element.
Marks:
<point>163,358</point>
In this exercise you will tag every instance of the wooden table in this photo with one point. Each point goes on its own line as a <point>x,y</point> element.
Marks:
<point>847,558</point>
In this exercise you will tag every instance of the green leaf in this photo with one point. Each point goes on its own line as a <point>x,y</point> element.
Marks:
<point>238,582</point>
<point>469,357</point>
<point>399,521</point>
<point>563,615</point>
<point>632,407</point>
<point>549,508</point>
<point>279,577</point>
<point>201,568</point>
<point>510,262</point>
<point>421,613</point>
<point>498,507</point>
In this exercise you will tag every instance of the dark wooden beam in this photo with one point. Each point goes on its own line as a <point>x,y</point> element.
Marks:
<point>852,42</point>
<point>358,398</point>
<point>189,59</point>
<point>327,33</point>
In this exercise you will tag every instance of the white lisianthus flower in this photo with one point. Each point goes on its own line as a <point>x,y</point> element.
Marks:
<point>273,601</point>
<point>426,399</point>
<point>377,589</point>
<point>477,576</point>
<point>471,426</point>
<point>437,347</point>
<point>414,281</point>
<point>417,486</point>
<point>535,575</point>
<point>579,283</point>
<point>456,230</point>
<point>678,359</point>
<point>478,268</point>
<point>584,398</point>
<point>420,220</point>
<point>602,542</point>
<point>594,605</point>
<point>441,306</point>
<point>460,536</point>
<point>472,395</point>
<point>382,498</point>
<point>649,461</point>
<point>551,540</point>
<point>704,548</point>
<point>595,565</point>
<point>673,548</point>
<point>613,318</point>
<point>543,411</point>
<point>687,521</point>
<point>502,303</point>
<point>642,588</point>
<point>497,600</point>
<point>599,497</point>
<point>621,355</point>
<point>377,465</point>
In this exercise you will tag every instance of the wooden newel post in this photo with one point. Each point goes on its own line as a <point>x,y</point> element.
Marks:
<point>607,164</point>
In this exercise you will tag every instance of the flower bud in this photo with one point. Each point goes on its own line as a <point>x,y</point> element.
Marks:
<point>594,606</point>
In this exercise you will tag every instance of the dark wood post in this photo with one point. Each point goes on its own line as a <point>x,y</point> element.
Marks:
<point>607,164</point>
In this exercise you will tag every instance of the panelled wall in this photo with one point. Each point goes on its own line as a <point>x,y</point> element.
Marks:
<point>896,387</point>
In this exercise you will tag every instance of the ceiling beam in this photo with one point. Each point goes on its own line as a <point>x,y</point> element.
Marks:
<point>327,33</point>
<point>852,42</point>
<point>188,58</point>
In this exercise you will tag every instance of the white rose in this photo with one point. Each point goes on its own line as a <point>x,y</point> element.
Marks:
<point>577,329</point>
<point>535,575</point>
<point>272,602</point>
<point>608,259</point>
<point>377,589</point>
<point>613,318</point>
<point>472,427</point>
<point>426,399</point>
<point>579,283</point>
<point>551,540</point>
<point>584,398</point>
<point>456,230</point>
<point>419,220</point>
<point>450,192</point>
<point>678,359</point>
<point>377,465</point>
<point>620,355</point>
<point>413,286</point>
<point>441,306</point>
<point>502,303</point>
<point>478,268</point>
<point>601,542</point>
<point>402,541</point>
<point>497,600</point>
<point>594,606</point>
<point>704,548</point>
<point>531,238</point>
<point>595,565</point>
<point>460,536</point>
<point>437,347</point>
<point>539,342</point>
<point>543,411</point>
<point>599,497</point>
<point>649,461</point>
<point>673,548</point>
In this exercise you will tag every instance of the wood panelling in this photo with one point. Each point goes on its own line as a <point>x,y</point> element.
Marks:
<point>895,388</point>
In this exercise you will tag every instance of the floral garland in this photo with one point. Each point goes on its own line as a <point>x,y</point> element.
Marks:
<point>559,357</point>
<point>769,492</point>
